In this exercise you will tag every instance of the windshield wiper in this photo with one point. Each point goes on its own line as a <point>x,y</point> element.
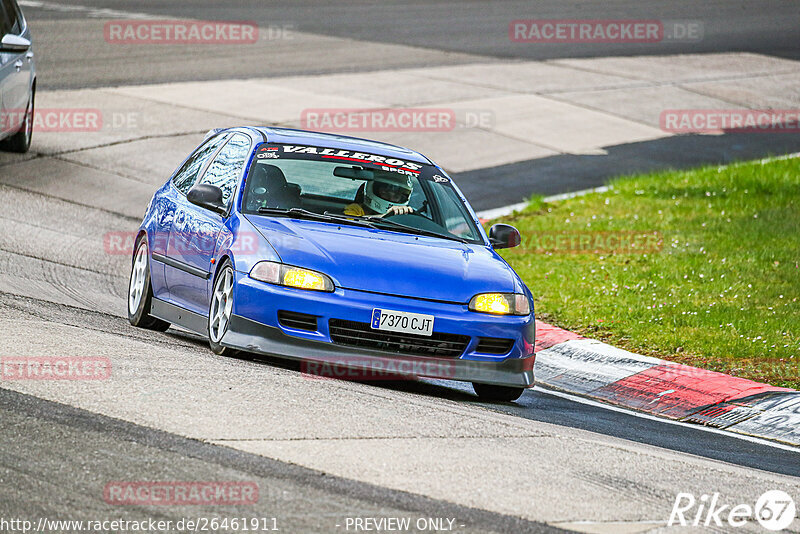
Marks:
<point>412,230</point>
<point>301,213</point>
<point>370,222</point>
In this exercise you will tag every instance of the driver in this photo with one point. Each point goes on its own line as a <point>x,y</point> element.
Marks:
<point>384,195</point>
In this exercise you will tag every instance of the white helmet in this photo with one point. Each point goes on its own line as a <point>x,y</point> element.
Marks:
<point>387,190</point>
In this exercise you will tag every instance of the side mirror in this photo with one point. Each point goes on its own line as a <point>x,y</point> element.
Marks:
<point>14,43</point>
<point>504,236</point>
<point>207,196</point>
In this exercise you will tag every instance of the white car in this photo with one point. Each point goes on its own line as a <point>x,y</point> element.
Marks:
<point>17,79</point>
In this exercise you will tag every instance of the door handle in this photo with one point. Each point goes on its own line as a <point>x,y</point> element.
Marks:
<point>18,65</point>
<point>29,55</point>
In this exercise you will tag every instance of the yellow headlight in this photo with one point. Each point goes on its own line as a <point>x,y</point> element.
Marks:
<point>303,279</point>
<point>278,273</point>
<point>501,303</point>
<point>492,303</point>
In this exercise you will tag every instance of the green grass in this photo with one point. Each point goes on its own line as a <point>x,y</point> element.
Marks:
<point>721,293</point>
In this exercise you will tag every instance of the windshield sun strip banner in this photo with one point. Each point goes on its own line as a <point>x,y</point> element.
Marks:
<point>387,163</point>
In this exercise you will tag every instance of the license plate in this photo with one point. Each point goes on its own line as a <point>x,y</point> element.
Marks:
<point>398,321</point>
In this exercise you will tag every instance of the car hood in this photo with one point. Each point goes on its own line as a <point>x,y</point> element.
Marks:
<point>388,262</point>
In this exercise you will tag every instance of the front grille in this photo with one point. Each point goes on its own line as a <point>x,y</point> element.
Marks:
<point>494,345</point>
<point>357,334</point>
<point>300,321</point>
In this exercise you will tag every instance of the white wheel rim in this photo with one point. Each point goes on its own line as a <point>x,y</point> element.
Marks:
<point>138,276</point>
<point>221,306</point>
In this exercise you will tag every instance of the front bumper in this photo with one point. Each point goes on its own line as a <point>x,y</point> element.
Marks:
<point>255,327</point>
<point>256,337</point>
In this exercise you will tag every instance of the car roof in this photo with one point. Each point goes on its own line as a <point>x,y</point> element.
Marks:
<point>305,137</point>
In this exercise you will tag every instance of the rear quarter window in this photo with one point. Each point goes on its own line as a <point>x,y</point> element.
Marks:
<point>185,178</point>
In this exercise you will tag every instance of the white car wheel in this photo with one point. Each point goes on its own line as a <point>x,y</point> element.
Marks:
<point>138,278</point>
<point>221,305</point>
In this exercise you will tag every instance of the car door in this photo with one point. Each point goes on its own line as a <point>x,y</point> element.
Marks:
<point>15,69</point>
<point>171,203</point>
<point>195,231</point>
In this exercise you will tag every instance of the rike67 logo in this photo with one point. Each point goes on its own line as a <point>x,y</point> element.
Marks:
<point>775,510</point>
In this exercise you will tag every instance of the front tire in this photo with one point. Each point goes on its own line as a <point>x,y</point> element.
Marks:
<point>140,291</point>
<point>492,393</point>
<point>21,141</point>
<point>220,310</point>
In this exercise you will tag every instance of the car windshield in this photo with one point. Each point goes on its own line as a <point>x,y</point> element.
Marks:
<point>392,193</point>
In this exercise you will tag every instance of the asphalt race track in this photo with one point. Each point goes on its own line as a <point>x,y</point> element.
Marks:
<point>440,32</point>
<point>323,451</point>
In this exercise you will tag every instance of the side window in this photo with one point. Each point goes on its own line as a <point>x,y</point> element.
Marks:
<point>452,211</point>
<point>14,17</point>
<point>225,170</point>
<point>185,177</point>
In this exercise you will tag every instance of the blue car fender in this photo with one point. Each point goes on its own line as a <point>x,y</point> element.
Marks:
<point>243,245</point>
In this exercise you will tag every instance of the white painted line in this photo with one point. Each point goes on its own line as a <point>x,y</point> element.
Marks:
<point>573,194</point>
<point>642,522</point>
<point>500,212</point>
<point>508,210</point>
<point>776,158</point>
<point>598,404</point>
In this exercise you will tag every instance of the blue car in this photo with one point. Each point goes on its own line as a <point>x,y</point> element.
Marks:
<point>361,259</point>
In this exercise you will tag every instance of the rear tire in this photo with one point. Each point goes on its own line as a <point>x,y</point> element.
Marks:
<point>140,292</point>
<point>492,393</point>
<point>21,141</point>
<point>220,310</point>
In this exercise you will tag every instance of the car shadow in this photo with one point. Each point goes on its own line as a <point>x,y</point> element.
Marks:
<point>427,387</point>
<point>442,389</point>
